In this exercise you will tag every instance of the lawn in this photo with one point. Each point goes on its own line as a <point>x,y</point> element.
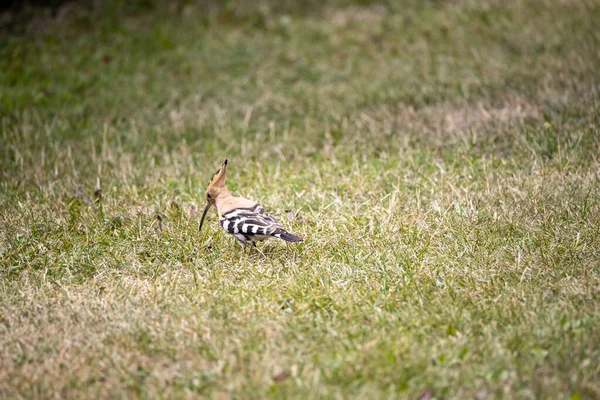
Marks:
<point>440,159</point>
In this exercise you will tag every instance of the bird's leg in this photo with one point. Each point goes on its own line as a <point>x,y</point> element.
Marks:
<point>257,249</point>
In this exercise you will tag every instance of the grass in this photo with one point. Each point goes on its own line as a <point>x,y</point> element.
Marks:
<point>440,159</point>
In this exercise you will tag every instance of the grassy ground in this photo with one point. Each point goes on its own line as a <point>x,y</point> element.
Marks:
<point>439,157</point>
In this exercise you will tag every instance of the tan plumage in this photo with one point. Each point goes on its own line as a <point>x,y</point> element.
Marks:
<point>245,219</point>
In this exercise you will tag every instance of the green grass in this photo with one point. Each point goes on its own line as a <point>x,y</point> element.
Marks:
<point>440,159</point>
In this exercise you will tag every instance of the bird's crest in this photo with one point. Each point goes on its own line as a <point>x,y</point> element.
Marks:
<point>218,178</point>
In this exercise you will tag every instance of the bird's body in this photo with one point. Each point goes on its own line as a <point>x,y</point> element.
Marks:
<point>245,219</point>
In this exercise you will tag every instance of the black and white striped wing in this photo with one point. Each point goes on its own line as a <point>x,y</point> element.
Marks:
<point>250,221</point>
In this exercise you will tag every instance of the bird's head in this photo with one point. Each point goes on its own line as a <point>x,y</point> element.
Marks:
<point>216,187</point>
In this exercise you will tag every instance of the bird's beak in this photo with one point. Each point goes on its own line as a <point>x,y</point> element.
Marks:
<point>204,215</point>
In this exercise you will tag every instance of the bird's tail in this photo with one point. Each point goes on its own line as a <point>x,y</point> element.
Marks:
<point>290,237</point>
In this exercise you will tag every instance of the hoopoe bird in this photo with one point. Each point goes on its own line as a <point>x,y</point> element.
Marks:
<point>245,219</point>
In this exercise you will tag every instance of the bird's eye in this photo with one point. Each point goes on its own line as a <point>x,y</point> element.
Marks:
<point>208,196</point>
